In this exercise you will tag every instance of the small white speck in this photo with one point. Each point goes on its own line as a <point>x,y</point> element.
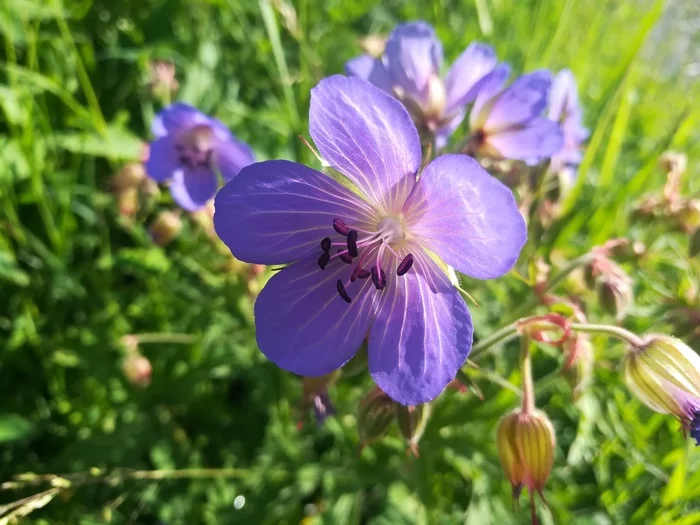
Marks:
<point>239,502</point>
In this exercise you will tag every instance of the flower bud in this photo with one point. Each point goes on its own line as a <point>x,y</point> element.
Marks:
<point>166,227</point>
<point>578,366</point>
<point>130,176</point>
<point>315,394</point>
<point>374,416</point>
<point>128,202</point>
<point>412,421</point>
<point>664,373</point>
<point>694,247</point>
<point>526,449</point>
<point>615,294</point>
<point>137,369</point>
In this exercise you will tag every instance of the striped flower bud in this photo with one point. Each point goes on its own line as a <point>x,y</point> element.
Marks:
<point>412,421</point>
<point>374,416</point>
<point>664,373</point>
<point>166,227</point>
<point>526,449</point>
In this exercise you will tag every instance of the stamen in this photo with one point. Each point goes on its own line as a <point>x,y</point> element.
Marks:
<point>340,226</point>
<point>326,244</point>
<point>323,260</point>
<point>405,265</point>
<point>352,243</point>
<point>363,274</point>
<point>345,257</point>
<point>379,278</point>
<point>342,292</point>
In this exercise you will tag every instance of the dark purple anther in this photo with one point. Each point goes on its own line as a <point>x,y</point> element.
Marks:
<point>345,257</point>
<point>340,227</point>
<point>363,274</point>
<point>323,260</point>
<point>342,292</point>
<point>379,278</point>
<point>352,243</point>
<point>326,244</point>
<point>405,265</point>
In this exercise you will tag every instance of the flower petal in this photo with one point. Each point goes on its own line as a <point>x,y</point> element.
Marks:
<point>524,99</point>
<point>231,156</point>
<point>370,69</point>
<point>539,139</point>
<point>162,160</point>
<point>563,98</point>
<point>413,54</point>
<point>366,135</point>
<point>176,117</point>
<point>277,212</point>
<point>304,326</point>
<point>467,217</point>
<point>191,189</point>
<point>489,87</point>
<point>462,81</point>
<point>421,336</point>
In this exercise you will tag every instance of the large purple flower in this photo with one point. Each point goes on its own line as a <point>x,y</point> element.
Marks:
<point>565,109</point>
<point>410,70</point>
<point>506,122</point>
<point>190,148</point>
<point>369,255</point>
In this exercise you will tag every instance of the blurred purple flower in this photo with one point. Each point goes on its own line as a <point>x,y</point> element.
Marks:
<point>506,122</point>
<point>410,70</point>
<point>189,150</point>
<point>565,109</point>
<point>363,259</point>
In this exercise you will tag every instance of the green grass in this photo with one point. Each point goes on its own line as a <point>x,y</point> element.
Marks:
<point>75,276</point>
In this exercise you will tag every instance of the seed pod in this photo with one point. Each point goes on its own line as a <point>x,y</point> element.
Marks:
<point>412,421</point>
<point>374,416</point>
<point>166,227</point>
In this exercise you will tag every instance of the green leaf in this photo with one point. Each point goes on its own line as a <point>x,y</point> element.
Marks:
<point>14,427</point>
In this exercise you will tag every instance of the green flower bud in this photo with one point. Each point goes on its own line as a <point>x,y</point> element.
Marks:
<point>412,421</point>
<point>374,416</point>
<point>130,176</point>
<point>166,227</point>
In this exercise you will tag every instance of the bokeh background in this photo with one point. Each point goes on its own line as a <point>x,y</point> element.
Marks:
<point>76,274</point>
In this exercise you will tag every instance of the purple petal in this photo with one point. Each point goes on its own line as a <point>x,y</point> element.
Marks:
<point>413,54</point>
<point>370,69</point>
<point>563,98</point>
<point>277,212</point>
<point>367,135</point>
<point>421,336</point>
<point>176,117</point>
<point>162,160</point>
<point>191,189</point>
<point>304,326</point>
<point>539,139</point>
<point>489,87</point>
<point>522,100</point>
<point>231,156</point>
<point>467,217</point>
<point>462,80</point>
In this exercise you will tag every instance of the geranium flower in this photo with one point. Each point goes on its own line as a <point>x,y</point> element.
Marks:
<point>369,255</point>
<point>190,150</point>
<point>410,71</point>
<point>565,109</point>
<point>506,122</point>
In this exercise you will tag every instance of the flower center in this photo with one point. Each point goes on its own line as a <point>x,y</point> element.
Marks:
<point>369,251</point>
<point>194,147</point>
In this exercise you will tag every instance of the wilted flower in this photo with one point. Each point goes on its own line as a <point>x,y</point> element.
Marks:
<point>137,369</point>
<point>526,442</point>
<point>506,122</point>
<point>190,150</point>
<point>664,373</point>
<point>366,260</point>
<point>410,70</point>
<point>374,416</point>
<point>565,109</point>
<point>166,227</point>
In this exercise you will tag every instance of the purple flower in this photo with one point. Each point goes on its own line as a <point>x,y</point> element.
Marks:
<point>565,109</point>
<point>506,122</point>
<point>369,255</point>
<point>410,70</point>
<point>190,150</point>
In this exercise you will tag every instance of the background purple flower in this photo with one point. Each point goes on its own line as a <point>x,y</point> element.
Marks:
<point>361,260</point>
<point>189,150</point>
<point>410,70</point>
<point>565,109</point>
<point>506,122</point>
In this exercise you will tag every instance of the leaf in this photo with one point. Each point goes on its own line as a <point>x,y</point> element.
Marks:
<point>14,427</point>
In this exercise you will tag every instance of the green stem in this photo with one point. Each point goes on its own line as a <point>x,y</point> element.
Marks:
<point>505,333</point>
<point>612,331</point>
<point>528,399</point>
<point>182,339</point>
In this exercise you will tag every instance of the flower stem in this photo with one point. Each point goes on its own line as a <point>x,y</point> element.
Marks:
<point>155,337</point>
<point>528,388</point>
<point>507,332</point>
<point>613,331</point>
